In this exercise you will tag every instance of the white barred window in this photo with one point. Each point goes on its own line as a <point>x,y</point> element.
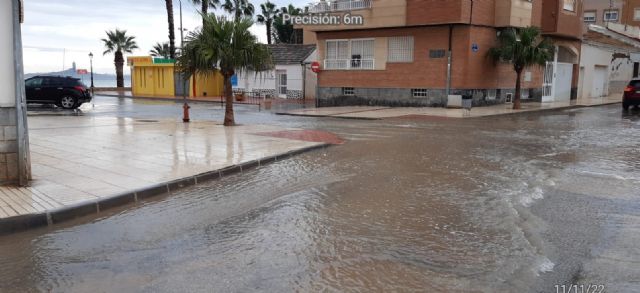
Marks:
<point>400,49</point>
<point>337,49</point>
<point>419,93</point>
<point>348,91</point>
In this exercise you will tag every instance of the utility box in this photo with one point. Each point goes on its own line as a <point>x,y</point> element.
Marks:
<point>454,101</point>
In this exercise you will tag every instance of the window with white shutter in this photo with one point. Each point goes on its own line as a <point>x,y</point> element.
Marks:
<point>400,49</point>
<point>357,54</point>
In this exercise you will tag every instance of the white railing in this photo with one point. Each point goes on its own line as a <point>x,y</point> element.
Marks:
<point>349,64</point>
<point>339,5</point>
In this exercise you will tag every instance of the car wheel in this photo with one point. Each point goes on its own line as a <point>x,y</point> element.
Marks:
<point>68,102</point>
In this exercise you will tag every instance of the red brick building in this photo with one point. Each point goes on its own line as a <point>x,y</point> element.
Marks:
<point>399,56</point>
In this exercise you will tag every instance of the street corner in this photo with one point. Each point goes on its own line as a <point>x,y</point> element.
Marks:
<point>306,135</point>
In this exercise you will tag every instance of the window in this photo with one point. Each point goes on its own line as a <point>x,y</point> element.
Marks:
<point>439,53</point>
<point>569,5</point>
<point>508,98</point>
<point>348,91</point>
<point>419,93</point>
<point>590,16</point>
<point>362,54</point>
<point>52,82</point>
<point>350,54</point>
<point>297,36</point>
<point>636,14</point>
<point>337,49</point>
<point>400,49</point>
<point>611,15</point>
<point>34,82</point>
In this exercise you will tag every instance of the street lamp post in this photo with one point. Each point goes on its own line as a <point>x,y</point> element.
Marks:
<point>91,68</point>
<point>185,106</point>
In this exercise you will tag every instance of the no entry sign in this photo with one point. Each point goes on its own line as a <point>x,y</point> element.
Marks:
<point>315,66</point>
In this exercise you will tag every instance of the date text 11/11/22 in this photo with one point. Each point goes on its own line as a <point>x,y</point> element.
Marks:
<point>579,288</point>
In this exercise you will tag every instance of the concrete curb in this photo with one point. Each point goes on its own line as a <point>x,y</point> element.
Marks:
<point>491,115</point>
<point>329,116</point>
<point>155,98</point>
<point>177,100</point>
<point>25,222</point>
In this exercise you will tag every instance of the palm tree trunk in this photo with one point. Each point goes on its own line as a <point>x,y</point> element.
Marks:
<point>172,33</point>
<point>194,90</point>
<point>516,100</point>
<point>229,120</point>
<point>205,10</point>
<point>119,62</point>
<point>269,32</point>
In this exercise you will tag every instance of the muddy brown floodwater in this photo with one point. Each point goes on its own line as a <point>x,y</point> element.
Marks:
<point>500,204</point>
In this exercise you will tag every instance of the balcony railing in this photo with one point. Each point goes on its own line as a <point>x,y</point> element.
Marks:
<point>349,64</point>
<point>339,5</point>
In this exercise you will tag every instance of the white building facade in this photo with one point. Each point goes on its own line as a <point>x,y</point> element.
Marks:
<point>609,60</point>
<point>290,78</point>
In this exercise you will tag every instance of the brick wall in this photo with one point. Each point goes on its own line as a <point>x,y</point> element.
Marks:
<point>559,22</point>
<point>627,14</point>
<point>8,146</point>
<point>471,70</point>
<point>421,12</point>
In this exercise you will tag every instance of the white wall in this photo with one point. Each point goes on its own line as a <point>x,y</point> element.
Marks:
<point>311,82</point>
<point>7,75</point>
<point>251,80</point>
<point>267,80</point>
<point>294,76</point>
<point>620,70</point>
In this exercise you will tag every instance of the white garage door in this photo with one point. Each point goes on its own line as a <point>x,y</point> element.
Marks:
<point>599,79</point>
<point>564,74</point>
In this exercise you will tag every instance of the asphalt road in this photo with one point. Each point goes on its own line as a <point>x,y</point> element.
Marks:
<point>518,203</point>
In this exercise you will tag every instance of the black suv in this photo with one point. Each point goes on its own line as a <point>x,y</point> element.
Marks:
<point>65,92</point>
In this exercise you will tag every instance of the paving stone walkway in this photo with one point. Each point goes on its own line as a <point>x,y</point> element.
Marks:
<point>83,159</point>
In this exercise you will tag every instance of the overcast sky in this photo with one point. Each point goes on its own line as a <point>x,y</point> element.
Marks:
<point>53,27</point>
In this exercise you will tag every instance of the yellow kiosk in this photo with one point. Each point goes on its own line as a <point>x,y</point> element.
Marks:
<point>156,77</point>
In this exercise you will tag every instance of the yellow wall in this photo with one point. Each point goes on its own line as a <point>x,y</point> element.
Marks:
<point>157,80</point>
<point>152,80</point>
<point>212,85</point>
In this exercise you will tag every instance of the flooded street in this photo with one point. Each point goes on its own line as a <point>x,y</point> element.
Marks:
<point>514,203</point>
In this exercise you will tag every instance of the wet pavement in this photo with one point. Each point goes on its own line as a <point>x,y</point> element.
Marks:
<point>495,204</point>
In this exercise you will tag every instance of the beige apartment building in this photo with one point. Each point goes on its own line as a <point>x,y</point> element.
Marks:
<point>601,12</point>
<point>429,52</point>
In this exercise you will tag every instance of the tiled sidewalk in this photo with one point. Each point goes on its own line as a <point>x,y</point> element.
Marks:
<point>77,160</point>
<point>372,112</point>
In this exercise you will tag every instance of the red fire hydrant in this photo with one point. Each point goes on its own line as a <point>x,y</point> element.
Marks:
<point>185,114</point>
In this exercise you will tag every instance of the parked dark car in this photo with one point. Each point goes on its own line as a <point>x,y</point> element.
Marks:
<point>65,92</point>
<point>631,96</point>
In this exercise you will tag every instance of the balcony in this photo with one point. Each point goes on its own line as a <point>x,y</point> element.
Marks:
<point>349,64</point>
<point>339,5</point>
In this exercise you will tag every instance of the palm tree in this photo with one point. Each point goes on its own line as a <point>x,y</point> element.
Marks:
<point>269,12</point>
<point>118,42</point>
<point>522,47</point>
<point>239,8</point>
<point>172,33</point>
<point>226,46</point>
<point>161,50</point>
<point>284,32</point>
<point>206,4</point>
